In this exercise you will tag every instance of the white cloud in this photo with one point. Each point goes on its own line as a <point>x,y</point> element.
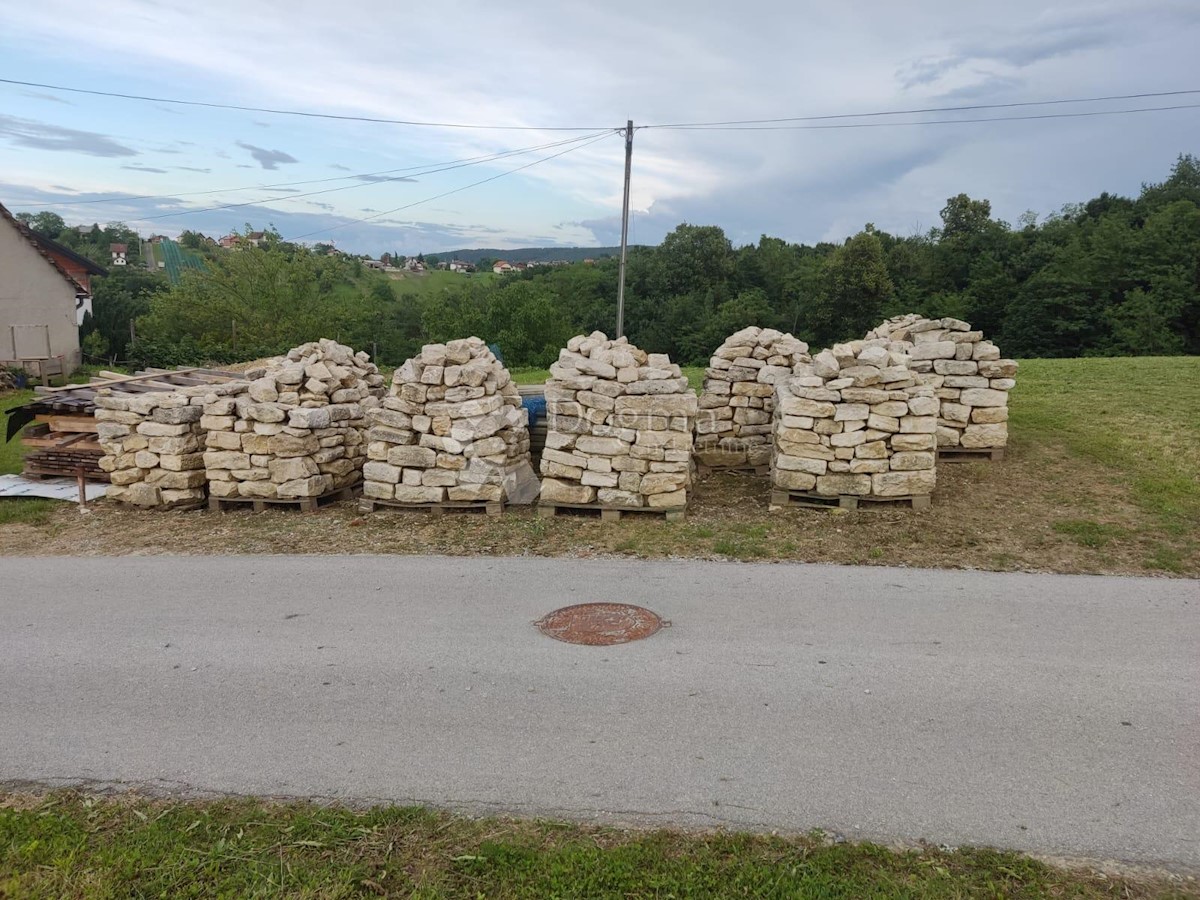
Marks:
<point>550,63</point>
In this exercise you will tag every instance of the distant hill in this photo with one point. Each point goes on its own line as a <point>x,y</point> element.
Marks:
<point>532,254</point>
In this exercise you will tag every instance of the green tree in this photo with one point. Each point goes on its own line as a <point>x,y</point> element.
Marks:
<point>855,286</point>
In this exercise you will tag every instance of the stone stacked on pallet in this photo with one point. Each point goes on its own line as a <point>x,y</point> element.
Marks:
<point>733,425</point>
<point>294,430</point>
<point>861,425</point>
<point>619,427</point>
<point>965,370</point>
<point>451,430</point>
<point>153,447</point>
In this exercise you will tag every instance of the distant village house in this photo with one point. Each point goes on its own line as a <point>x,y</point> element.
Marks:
<point>119,252</point>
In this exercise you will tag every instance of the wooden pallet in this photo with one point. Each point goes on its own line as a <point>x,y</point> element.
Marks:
<point>487,507</point>
<point>969,454</point>
<point>611,513</point>
<point>782,499</point>
<point>305,504</point>
<point>703,471</point>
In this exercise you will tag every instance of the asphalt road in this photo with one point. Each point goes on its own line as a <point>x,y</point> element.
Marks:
<point>1053,714</point>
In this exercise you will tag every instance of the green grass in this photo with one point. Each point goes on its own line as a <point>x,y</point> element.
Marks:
<point>71,845</point>
<point>1087,533</point>
<point>437,281</point>
<point>1138,417</point>
<point>11,452</point>
<point>26,510</point>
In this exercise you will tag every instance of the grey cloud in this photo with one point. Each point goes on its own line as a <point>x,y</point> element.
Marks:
<point>339,166</point>
<point>378,179</point>
<point>325,206</point>
<point>192,169</point>
<point>44,136</point>
<point>282,190</point>
<point>145,169</point>
<point>48,97</point>
<point>268,159</point>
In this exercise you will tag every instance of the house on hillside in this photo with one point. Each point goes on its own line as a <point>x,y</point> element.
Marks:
<point>45,291</point>
<point>501,267</point>
<point>457,265</point>
<point>238,241</point>
<point>118,252</point>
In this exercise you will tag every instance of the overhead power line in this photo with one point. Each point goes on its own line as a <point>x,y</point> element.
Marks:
<point>929,109</point>
<point>411,170</point>
<point>295,112</point>
<point>1075,115</point>
<point>507,154</point>
<point>529,165</point>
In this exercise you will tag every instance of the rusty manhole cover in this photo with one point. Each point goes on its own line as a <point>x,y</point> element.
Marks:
<point>600,624</point>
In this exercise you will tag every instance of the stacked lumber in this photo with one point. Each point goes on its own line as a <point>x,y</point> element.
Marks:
<point>62,439</point>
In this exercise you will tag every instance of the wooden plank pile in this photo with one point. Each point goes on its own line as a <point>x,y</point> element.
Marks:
<point>62,437</point>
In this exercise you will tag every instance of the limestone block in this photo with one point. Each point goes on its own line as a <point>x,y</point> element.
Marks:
<point>983,397</point>
<point>555,490</point>
<point>901,484</point>
<point>985,435</point>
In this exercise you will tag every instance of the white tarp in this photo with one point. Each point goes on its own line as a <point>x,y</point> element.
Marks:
<point>51,488</point>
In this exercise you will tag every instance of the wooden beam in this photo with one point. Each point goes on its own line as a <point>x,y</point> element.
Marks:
<point>70,423</point>
<point>111,378</point>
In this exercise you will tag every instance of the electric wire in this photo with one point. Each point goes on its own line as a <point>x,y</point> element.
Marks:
<point>412,170</point>
<point>927,110</point>
<point>529,165</point>
<point>296,112</point>
<point>845,125</point>
<point>347,187</point>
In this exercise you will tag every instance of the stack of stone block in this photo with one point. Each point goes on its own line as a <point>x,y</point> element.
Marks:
<point>294,430</point>
<point>860,425</point>
<point>153,447</point>
<point>619,427</point>
<point>733,425</point>
<point>451,430</point>
<point>966,371</point>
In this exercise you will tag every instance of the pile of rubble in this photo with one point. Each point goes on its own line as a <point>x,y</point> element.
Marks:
<point>294,430</point>
<point>619,427</point>
<point>452,429</point>
<point>733,425</point>
<point>153,445</point>
<point>861,424</point>
<point>970,378</point>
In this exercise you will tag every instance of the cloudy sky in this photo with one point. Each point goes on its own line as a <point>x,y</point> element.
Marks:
<point>583,68</point>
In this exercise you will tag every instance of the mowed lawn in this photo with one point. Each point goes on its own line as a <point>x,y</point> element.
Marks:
<point>74,845</point>
<point>1102,475</point>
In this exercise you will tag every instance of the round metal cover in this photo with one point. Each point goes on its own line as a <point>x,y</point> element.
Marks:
<point>600,624</point>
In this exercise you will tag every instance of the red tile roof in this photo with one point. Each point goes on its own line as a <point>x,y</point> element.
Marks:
<point>52,250</point>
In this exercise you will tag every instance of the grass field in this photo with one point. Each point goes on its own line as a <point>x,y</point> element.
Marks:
<point>435,281</point>
<point>1101,476</point>
<point>73,845</point>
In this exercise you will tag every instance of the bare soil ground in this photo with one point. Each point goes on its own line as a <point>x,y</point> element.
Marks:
<point>1027,512</point>
<point>1102,476</point>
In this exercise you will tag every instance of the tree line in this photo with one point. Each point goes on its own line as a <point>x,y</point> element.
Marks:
<point>1112,276</point>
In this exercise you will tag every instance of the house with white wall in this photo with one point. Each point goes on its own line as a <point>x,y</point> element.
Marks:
<point>45,291</point>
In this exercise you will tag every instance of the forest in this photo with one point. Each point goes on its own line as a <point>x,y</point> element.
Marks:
<point>1111,276</point>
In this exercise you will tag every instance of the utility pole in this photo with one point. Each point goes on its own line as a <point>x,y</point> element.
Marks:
<point>624,229</point>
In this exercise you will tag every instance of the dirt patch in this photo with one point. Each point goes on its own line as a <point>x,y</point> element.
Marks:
<point>1031,511</point>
